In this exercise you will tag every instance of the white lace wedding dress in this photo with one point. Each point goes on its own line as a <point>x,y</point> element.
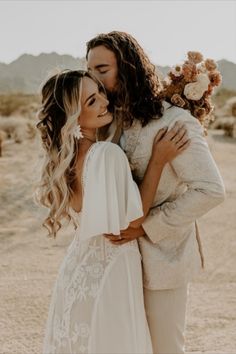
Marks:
<point>97,303</point>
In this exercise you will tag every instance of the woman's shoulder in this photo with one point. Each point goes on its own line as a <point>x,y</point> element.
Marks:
<point>105,159</point>
<point>110,148</point>
<point>110,153</point>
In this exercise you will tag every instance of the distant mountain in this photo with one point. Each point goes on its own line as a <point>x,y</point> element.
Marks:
<point>163,70</point>
<point>228,72</point>
<point>27,72</point>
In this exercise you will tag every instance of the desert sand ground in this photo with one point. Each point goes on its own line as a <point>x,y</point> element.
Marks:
<point>29,260</point>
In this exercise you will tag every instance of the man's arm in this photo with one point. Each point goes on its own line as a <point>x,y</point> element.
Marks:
<point>205,189</point>
<point>166,146</point>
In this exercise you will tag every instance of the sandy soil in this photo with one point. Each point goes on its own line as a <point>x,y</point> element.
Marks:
<point>29,261</point>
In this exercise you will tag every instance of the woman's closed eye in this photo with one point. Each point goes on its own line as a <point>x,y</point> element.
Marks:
<point>92,101</point>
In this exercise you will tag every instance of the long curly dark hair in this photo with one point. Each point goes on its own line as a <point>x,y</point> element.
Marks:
<point>139,88</point>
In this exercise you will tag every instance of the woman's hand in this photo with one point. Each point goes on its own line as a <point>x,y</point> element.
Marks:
<point>169,144</point>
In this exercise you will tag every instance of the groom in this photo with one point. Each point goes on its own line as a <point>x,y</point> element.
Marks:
<point>189,187</point>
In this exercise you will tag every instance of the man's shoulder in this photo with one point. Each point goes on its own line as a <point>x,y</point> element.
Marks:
<point>171,114</point>
<point>173,111</point>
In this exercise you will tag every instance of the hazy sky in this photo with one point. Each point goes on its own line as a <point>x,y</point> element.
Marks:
<point>166,29</point>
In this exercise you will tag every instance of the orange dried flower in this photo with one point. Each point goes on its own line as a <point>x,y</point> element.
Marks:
<point>215,78</point>
<point>209,91</point>
<point>199,113</point>
<point>210,64</point>
<point>195,57</point>
<point>177,100</point>
<point>189,71</point>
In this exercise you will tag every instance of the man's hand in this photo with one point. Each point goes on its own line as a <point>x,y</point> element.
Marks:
<point>126,235</point>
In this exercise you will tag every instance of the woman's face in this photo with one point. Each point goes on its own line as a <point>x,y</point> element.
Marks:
<point>94,113</point>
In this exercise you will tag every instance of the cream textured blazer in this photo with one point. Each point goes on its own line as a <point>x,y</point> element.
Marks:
<point>189,187</point>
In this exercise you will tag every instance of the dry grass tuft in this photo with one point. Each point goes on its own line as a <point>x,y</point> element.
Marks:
<point>226,117</point>
<point>19,104</point>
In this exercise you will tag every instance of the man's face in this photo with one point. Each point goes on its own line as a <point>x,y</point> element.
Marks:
<point>103,64</point>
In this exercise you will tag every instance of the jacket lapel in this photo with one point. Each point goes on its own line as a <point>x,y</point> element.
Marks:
<point>131,137</point>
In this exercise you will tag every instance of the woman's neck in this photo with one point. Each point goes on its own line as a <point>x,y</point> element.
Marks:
<point>84,145</point>
<point>90,134</point>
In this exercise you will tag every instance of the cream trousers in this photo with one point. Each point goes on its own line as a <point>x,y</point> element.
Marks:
<point>166,311</point>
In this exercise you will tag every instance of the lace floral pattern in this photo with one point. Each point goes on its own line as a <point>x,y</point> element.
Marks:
<point>79,283</point>
<point>136,150</point>
<point>138,153</point>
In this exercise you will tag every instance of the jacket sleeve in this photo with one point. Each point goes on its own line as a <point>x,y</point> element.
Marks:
<point>197,169</point>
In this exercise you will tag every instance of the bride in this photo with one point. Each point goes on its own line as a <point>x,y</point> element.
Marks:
<point>97,303</point>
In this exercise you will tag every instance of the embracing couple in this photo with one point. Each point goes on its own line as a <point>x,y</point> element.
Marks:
<point>133,173</point>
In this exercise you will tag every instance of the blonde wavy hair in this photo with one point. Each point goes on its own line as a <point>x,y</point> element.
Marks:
<point>58,118</point>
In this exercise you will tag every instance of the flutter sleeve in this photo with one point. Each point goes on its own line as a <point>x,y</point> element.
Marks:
<point>111,198</point>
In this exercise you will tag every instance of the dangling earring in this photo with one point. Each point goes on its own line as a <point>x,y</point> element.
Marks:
<point>77,132</point>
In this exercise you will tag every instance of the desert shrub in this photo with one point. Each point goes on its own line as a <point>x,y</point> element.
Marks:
<point>3,137</point>
<point>230,130</point>
<point>18,128</point>
<point>18,103</point>
<point>226,117</point>
<point>222,95</point>
<point>229,109</point>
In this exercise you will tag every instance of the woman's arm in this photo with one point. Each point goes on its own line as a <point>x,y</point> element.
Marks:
<point>166,146</point>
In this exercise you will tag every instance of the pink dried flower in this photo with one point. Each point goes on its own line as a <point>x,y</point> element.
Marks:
<point>210,64</point>
<point>195,57</point>
<point>177,100</point>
